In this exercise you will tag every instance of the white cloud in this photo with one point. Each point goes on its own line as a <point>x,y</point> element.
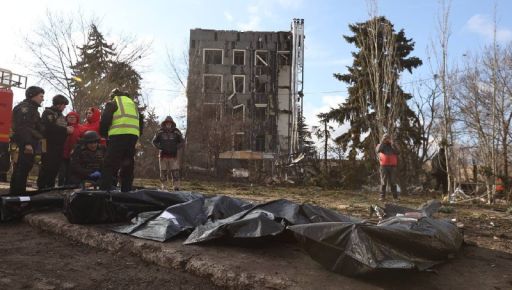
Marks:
<point>484,26</point>
<point>253,20</point>
<point>228,16</point>
<point>252,24</point>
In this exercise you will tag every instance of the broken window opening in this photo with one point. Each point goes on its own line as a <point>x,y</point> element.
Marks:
<point>239,84</point>
<point>239,113</point>
<point>239,57</point>
<point>212,83</point>
<point>284,58</point>
<point>260,86</point>
<point>239,141</point>
<point>260,112</point>
<point>260,143</point>
<point>261,57</point>
<point>213,56</point>
<point>212,111</point>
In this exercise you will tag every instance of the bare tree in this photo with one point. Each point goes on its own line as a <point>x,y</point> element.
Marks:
<point>55,44</point>
<point>441,55</point>
<point>324,132</point>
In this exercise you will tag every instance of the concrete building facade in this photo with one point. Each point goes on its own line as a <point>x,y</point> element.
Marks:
<point>240,103</point>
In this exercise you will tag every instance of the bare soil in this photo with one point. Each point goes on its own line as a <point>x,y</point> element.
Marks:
<point>32,259</point>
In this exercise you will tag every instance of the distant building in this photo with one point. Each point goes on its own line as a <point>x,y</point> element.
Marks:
<point>244,96</point>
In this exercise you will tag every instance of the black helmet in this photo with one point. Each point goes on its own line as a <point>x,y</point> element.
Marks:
<point>60,100</point>
<point>90,137</point>
<point>33,91</point>
<point>118,92</point>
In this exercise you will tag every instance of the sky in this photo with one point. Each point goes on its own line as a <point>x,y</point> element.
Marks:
<point>166,25</point>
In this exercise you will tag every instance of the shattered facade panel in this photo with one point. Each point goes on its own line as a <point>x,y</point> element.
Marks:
<point>249,110</point>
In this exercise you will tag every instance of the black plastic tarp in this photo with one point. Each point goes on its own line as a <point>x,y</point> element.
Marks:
<point>263,220</point>
<point>93,207</point>
<point>182,218</point>
<point>14,207</point>
<point>398,242</point>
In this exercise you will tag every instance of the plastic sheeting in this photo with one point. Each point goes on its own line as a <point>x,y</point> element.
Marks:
<point>14,207</point>
<point>403,239</point>
<point>265,220</point>
<point>223,217</point>
<point>398,242</point>
<point>182,218</point>
<point>93,207</point>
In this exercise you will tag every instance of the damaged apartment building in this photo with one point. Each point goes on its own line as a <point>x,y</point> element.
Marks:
<point>244,96</point>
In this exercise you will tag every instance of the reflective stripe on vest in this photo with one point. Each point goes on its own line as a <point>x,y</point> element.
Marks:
<point>126,118</point>
<point>388,160</point>
<point>499,185</point>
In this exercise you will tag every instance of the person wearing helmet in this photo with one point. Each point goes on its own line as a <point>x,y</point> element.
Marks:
<point>168,140</point>
<point>388,152</point>
<point>87,159</point>
<point>27,132</point>
<point>122,124</point>
<point>56,130</point>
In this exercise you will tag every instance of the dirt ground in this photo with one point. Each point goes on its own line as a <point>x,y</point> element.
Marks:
<point>32,259</point>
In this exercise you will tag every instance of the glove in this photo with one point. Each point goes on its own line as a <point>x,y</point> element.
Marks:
<point>95,175</point>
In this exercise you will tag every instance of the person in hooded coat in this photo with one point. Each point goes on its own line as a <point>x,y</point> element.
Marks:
<point>92,122</point>
<point>73,119</point>
<point>168,140</point>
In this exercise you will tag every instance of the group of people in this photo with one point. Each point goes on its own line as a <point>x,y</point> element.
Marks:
<point>100,151</point>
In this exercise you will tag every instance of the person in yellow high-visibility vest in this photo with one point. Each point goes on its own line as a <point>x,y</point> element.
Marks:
<point>121,124</point>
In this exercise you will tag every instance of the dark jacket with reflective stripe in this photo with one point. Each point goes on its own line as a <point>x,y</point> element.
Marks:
<point>55,126</point>
<point>108,115</point>
<point>26,123</point>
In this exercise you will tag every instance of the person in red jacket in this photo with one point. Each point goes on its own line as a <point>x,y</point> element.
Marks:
<point>73,119</point>
<point>388,159</point>
<point>92,122</point>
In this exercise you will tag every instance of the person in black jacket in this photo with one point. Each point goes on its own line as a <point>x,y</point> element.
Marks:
<point>87,159</point>
<point>168,140</point>
<point>56,130</point>
<point>440,171</point>
<point>120,126</point>
<point>27,132</point>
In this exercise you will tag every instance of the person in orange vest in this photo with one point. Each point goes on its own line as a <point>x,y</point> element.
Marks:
<point>388,160</point>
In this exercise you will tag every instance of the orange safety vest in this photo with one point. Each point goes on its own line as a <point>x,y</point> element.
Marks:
<point>388,160</point>
<point>499,185</point>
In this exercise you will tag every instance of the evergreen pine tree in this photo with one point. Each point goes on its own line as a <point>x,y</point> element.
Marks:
<point>90,72</point>
<point>376,103</point>
<point>98,72</point>
<point>305,140</point>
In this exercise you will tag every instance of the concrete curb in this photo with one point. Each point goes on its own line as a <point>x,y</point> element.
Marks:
<point>279,267</point>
